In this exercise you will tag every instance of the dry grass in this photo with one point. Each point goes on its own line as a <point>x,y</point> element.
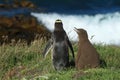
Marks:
<point>20,61</point>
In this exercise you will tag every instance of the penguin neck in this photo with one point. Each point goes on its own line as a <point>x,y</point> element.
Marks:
<point>83,40</point>
<point>58,29</point>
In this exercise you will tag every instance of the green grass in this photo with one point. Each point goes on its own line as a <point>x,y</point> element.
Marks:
<point>22,62</point>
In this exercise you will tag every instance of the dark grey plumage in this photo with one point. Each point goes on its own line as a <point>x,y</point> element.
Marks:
<point>60,43</point>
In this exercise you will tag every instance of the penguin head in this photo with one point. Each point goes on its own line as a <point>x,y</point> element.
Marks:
<point>82,33</point>
<point>58,25</point>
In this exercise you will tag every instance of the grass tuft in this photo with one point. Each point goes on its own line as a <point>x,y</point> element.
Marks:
<point>23,62</point>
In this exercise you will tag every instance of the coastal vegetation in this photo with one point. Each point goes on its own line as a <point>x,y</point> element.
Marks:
<point>22,40</point>
<point>23,62</point>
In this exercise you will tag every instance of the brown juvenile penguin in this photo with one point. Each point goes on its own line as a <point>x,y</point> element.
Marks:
<point>59,43</point>
<point>87,56</point>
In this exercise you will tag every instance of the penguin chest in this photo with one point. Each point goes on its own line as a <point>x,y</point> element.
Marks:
<point>60,50</point>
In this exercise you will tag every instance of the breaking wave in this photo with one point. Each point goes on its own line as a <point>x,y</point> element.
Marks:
<point>101,28</point>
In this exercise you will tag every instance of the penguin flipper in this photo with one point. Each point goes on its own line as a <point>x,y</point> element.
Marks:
<point>72,62</point>
<point>48,47</point>
<point>70,46</point>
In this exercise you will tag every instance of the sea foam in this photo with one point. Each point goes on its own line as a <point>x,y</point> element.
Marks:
<point>101,28</point>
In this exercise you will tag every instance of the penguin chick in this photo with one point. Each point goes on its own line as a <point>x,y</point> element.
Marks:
<point>87,56</point>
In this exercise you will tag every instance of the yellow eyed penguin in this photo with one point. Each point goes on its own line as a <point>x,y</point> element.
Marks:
<point>59,43</point>
<point>87,56</point>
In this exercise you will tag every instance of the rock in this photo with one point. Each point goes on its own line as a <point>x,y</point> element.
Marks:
<point>17,4</point>
<point>5,21</point>
<point>21,27</point>
<point>2,6</point>
<point>26,4</point>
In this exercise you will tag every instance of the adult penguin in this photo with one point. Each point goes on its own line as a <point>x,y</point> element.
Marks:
<point>59,43</point>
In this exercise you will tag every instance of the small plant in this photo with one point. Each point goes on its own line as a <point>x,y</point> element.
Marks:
<point>23,62</point>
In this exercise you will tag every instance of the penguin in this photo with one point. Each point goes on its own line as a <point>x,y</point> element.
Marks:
<point>87,56</point>
<point>60,44</point>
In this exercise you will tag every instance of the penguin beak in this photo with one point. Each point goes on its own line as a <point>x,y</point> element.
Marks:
<point>76,30</point>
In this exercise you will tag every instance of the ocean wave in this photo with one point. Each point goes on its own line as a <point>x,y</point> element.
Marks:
<point>101,28</point>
